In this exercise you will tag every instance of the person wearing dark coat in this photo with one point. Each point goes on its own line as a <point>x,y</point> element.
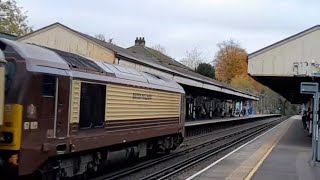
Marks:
<point>304,119</point>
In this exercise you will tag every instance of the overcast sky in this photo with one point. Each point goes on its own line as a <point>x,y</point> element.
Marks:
<point>180,25</point>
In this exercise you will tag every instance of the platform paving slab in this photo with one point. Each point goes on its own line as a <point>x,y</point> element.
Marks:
<point>290,159</point>
<point>286,146</point>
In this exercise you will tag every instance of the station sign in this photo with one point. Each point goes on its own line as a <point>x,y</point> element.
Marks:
<point>309,87</point>
<point>315,74</point>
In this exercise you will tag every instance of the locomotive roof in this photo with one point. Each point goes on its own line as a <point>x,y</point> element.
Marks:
<point>53,61</point>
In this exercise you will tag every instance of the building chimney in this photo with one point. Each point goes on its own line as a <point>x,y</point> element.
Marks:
<point>136,42</point>
<point>139,41</point>
<point>142,42</point>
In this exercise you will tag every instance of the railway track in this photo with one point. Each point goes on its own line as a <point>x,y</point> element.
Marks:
<point>224,130</point>
<point>164,173</point>
<point>179,166</point>
<point>203,129</point>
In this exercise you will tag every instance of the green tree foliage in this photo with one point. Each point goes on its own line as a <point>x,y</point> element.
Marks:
<point>13,20</point>
<point>206,69</point>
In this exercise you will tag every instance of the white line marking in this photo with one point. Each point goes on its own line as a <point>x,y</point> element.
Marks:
<point>227,155</point>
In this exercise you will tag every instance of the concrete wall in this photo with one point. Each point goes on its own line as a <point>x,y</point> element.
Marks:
<point>63,39</point>
<point>288,58</point>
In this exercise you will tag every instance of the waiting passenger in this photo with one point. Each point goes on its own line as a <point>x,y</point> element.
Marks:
<point>203,113</point>
<point>194,113</point>
<point>222,112</point>
<point>198,112</point>
<point>309,121</point>
<point>231,112</point>
<point>244,111</point>
<point>210,112</point>
<point>304,119</point>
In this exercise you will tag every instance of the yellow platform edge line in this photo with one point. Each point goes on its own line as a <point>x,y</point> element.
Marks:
<point>254,170</point>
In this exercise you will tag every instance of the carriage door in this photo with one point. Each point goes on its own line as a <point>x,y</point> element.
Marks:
<point>61,112</point>
<point>54,105</point>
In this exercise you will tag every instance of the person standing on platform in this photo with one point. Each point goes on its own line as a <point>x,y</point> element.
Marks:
<point>304,119</point>
<point>203,112</point>
<point>309,120</point>
<point>198,112</point>
<point>244,112</point>
<point>231,112</point>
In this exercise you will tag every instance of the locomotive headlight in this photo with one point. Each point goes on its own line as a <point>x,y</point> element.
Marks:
<point>6,137</point>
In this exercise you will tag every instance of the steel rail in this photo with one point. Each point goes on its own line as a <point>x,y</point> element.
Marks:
<point>179,166</point>
<point>242,126</point>
<point>149,163</point>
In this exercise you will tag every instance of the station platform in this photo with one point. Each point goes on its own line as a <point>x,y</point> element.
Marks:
<point>227,119</point>
<point>284,152</point>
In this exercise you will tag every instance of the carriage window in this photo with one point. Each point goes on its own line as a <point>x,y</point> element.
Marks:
<point>92,105</point>
<point>48,86</point>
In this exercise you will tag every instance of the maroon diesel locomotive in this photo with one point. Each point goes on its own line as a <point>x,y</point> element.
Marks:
<point>63,114</point>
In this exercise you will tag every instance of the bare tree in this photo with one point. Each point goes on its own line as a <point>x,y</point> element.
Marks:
<point>101,37</point>
<point>193,58</point>
<point>160,48</point>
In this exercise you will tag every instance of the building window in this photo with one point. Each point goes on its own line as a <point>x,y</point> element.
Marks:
<point>92,105</point>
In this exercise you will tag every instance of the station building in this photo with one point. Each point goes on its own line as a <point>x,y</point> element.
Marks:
<point>282,66</point>
<point>203,94</point>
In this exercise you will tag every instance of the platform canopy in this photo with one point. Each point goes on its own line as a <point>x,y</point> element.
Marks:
<point>282,66</point>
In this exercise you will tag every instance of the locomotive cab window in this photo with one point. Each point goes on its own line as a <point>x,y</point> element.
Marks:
<point>48,86</point>
<point>10,69</point>
<point>92,105</point>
